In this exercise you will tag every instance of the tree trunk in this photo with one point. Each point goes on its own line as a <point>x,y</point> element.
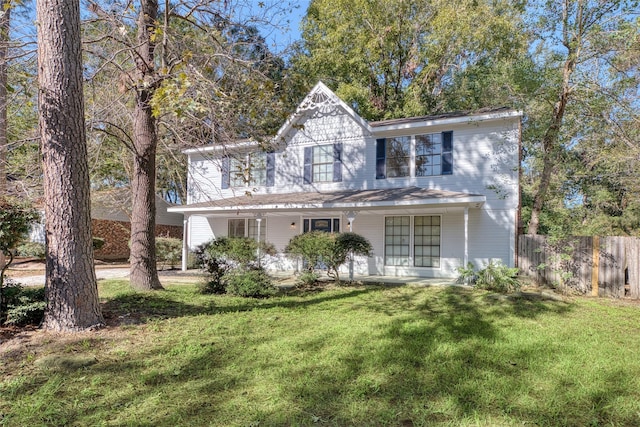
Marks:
<point>144,274</point>
<point>550,140</point>
<point>4,53</point>
<point>70,288</point>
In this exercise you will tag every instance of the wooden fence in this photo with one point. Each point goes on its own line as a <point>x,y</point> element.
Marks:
<point>600,266</point>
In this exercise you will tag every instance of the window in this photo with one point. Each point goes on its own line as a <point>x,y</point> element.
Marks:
<point>418,155</point>
<point>396,240</point>
<point>248,170</point>
<point>255,169</point>
<point>330,225</point>
<point>322,163</point>
<point>398,155</point>
<point>428,154</point>
<point>426,241</point>
<point>423,238</point>
<point>247,227</point>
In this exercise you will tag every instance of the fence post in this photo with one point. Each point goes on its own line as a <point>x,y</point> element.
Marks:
<point>596,266</point>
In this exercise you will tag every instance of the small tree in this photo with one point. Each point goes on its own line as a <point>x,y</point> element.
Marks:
<point>345,247</point>
<point>333,250</point>
<point>15,221</point>
<point>313,248</point>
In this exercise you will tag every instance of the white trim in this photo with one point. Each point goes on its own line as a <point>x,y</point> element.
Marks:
<point>472,201</point>
<point>468,119</point>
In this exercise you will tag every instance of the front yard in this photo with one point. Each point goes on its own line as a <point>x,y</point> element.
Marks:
<point>346,356</point>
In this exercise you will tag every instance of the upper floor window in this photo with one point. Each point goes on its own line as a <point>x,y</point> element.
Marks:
<point>323,163</point>
<point>398,154</point>
<point>254,169</point>
<point>419,155</point>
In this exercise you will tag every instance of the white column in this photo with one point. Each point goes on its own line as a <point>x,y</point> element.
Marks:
<point>466,237</point>
<point>259,222</point>
<point>351,216</point>
<point>185,246</point>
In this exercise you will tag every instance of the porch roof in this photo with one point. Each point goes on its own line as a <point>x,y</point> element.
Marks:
<point>340,200</point>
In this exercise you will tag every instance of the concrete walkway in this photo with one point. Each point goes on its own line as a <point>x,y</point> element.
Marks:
<point>285,278</point>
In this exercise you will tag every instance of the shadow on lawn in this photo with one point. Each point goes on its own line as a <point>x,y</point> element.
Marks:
<point>437,358</point>
<point>133,308</point>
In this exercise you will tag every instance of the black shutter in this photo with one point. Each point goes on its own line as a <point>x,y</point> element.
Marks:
<point>381,153</point>
<point>271,169</point>
<point>447,153</point>
<point>224,169</point>
<point>305,225</point>
<point>308,153</point>
<point>337,162</point>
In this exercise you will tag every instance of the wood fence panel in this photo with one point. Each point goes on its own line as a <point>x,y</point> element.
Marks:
<point>612,265</point>
<point>572,262</point>
<point>633,267</point>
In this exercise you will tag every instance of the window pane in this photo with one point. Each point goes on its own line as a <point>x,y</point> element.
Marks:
<point>258,168</point>
<point>426,244</point>
<point>397,233</point>
<point>428,154</point>
<point>322,163</point>
<point>253,229</point>
<point>237,169</point>
<point>398,156</point>
<point>236,228</point>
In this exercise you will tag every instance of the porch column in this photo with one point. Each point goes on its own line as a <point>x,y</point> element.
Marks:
<point>259,222</point>
<point>466,237</point>
<point>185,246</point>
<point>351,216</point>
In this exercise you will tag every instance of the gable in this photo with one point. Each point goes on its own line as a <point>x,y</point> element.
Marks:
<point>322,117</point>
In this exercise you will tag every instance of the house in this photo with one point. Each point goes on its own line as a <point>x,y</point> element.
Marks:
<point>430,193</point>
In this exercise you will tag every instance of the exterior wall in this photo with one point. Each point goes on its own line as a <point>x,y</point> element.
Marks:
<point>117,233</point>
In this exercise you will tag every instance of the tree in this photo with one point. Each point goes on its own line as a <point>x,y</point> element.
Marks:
<point>193,77</point>
<point>579,38</point>
<point>392,59</point>
<point>70,287</point>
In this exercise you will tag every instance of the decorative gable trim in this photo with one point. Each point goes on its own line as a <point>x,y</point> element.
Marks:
<point>321,99</point>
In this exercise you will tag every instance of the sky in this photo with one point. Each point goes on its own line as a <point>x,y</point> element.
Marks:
<point>287,25</point>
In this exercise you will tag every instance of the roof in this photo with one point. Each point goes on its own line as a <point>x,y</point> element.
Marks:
<point>346,199</point>
<point>452,117</point>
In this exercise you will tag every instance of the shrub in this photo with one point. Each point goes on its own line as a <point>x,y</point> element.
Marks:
<point>219,256</point>
<point>333,250</point>
<point>312,248</point>
<point>345,247</point>
<point>31,250</point>
<point>494,277</point>
<point>250,283</point>
<point>25,306</point>
<point>98,243</point>
<point>308,278</point>
<point>168,250</point>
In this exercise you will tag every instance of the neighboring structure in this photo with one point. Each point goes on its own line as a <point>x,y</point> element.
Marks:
<point>110,221</point>
<point>429,193</point>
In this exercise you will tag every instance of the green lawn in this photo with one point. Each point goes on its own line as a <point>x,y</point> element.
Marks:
<point>398,356</point>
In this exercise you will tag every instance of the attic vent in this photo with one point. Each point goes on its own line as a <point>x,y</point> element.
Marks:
<point>319,100</point>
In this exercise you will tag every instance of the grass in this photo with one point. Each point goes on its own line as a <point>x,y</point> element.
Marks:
<point>402,356</point>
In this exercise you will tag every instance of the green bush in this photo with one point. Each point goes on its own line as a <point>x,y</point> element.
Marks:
<point>24,306</point>
<point>31,250</point>
<point>249,283</point>
<point>494,277</point>
<point>332,250</point>
<point>98,243</point>
<point>168,251</point>
<point>217,257</point>
<point>308,278</point>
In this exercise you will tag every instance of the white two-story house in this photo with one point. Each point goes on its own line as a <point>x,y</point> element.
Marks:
<point>430,193</point>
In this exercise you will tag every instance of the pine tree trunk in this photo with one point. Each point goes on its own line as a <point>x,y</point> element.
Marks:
<point>71,289</point>
<point>4,52</point>
<point>144,274</point>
